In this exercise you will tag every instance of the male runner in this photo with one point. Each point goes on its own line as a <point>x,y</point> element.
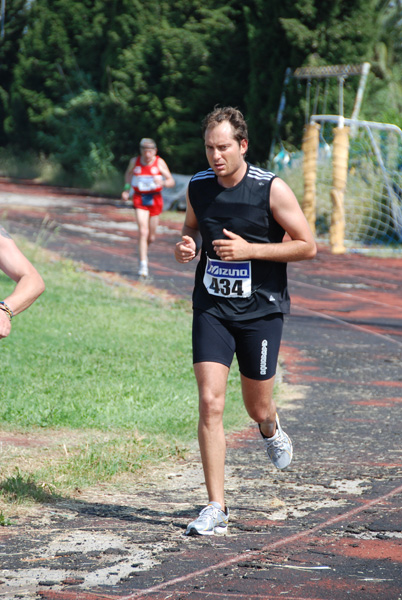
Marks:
<point>238,214</point>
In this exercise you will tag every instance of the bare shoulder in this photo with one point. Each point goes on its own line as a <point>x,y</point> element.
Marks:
<point>281,191</point>
<point>162,163</point>
<point>132,162</point>
<point>282,199</point>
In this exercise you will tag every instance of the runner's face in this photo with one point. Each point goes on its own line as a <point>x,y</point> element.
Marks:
<point>148,153</point>
<point>225,155</point>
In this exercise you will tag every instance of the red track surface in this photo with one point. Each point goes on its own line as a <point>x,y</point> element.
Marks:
<point>328,528</point>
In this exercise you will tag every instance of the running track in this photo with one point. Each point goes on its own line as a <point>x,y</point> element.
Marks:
<point>328,528</point>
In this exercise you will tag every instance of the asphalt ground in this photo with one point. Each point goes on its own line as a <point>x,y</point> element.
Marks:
<point>327,528</point>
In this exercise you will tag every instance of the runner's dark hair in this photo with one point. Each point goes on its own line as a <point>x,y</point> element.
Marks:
<point>227,113</point>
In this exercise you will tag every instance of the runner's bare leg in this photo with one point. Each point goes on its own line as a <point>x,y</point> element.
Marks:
<point>211,378</point>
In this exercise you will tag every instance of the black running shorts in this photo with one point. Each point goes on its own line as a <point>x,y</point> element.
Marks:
<point>256,343</point>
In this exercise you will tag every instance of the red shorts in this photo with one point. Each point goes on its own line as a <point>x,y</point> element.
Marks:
<point>152,202</point>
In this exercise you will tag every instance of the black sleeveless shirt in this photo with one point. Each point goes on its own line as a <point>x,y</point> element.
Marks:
<point>237,290</point>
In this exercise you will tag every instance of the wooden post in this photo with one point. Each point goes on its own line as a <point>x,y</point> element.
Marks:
<point>310,155</point>
<point>340,159</point>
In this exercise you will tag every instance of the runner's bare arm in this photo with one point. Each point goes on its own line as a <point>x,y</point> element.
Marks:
<point>29,286</point>
<point>128,173</point>
<point>287,212</point>
<point>186,250</point>
<point>127,179</point>
<point>168,180</point>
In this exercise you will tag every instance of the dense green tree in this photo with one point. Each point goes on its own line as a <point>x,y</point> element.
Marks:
<point>269,57</point>
<point>60,93</point>
<point>174,72</point>
<point>385,86</point>
<point>94,77</point>
<point>13,28</point>
<point>83,81</point>
<point>284,33</point>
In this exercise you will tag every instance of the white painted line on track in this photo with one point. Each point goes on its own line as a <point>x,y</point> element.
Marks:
<point>323,315</point>
<point>347,294</point>
<point>269,547</point>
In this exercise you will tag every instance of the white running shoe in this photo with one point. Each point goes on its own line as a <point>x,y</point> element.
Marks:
<point>143,272</point>
<point>279,447</point>
<point>211,520</point>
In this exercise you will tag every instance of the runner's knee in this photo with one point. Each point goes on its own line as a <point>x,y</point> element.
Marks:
<point>211,407</point>
<point>259,414</point>
<point>144,233</point>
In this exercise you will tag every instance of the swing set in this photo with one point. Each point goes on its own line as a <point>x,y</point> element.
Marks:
<point>326,73</point>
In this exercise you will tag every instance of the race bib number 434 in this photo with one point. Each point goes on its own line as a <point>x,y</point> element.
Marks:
<point>228,279</point>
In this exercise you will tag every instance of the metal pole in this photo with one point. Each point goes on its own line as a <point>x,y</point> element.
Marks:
<point>360,91</point>
<point>281,108</point>
<point>348,122</point>
<point>359,95</point>
<point>341,122</point>
<point>307,109</point>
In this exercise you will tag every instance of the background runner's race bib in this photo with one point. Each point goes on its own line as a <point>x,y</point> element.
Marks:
<point>228,279</point>
<point>144,183</point>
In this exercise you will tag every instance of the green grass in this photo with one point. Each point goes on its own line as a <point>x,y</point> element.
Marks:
<point>106,370</point>
<point>22,486</point>
<point>4,521</point>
